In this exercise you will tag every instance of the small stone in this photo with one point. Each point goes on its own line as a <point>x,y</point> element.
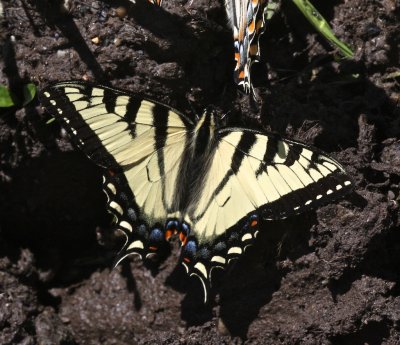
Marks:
<point>95,5</point>
<point>66,6</point>
<point>390,195</point>
<point>117,41</point>
<point>62,53</point>
<point>96,40</point>
<point>121,11</point>
<point>221,327</point>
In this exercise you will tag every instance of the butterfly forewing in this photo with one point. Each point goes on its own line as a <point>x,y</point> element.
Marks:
<point>292,177</point>
<point>141,143</point>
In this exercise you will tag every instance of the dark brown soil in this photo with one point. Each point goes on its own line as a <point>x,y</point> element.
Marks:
<point>328,277</point>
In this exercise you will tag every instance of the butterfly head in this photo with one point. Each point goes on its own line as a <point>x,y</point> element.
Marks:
<point>208,119</point>
<point>204,132</point>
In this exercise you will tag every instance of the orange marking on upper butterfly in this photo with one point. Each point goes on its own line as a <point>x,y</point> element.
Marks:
<point>253,49</point>
<point>255,2</point>
<point>251,27</point>
<point>237,67</point>
<point>237,57</point>
<point>153,248</point>
<point>253,223</point>
<point>241,75</point>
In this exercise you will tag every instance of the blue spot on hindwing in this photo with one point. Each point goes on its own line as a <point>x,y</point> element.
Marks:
<point>186,229</point>
<point>156,235</point>
<point>131,214</point>
<point>190,249</point>
<point>142,230</point>
<point>172,225</point>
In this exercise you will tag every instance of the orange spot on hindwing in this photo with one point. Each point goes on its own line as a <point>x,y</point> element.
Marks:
<point>183,238</point>
<point>253,223</point>
<point>169,233</point>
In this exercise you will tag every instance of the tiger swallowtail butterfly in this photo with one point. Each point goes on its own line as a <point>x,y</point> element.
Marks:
<point>167,174</point>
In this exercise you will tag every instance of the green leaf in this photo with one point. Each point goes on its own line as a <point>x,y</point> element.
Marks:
<point>5,97</point>
<point>322,26</point>
<point>29,93</point>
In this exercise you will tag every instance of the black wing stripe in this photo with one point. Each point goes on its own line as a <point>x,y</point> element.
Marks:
<point>131,111</point>
<point>160,122</point>
<point>247,140</point>
<point>109,100</point>
<point>293,155</point>
<point>271,150</point>
<point>269,155</point>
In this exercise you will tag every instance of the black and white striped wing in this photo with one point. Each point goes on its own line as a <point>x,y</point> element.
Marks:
<point>140,142</point>
<point>252,176</point>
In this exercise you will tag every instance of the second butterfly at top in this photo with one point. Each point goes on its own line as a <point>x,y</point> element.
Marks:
<point>247,19</point>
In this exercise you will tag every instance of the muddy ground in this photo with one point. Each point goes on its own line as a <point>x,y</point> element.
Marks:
<point>326,277</point>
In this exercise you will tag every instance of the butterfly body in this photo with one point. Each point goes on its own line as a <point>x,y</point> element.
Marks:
<point>166,174</point>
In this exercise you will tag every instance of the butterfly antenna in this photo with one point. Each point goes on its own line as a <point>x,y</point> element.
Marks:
<point>194,111</point>
<point>254,101</point>
<point>225,114</point>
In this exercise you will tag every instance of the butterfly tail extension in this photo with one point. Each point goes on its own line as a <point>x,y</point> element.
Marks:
<point>200,260</point>
<point>202,272</point>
